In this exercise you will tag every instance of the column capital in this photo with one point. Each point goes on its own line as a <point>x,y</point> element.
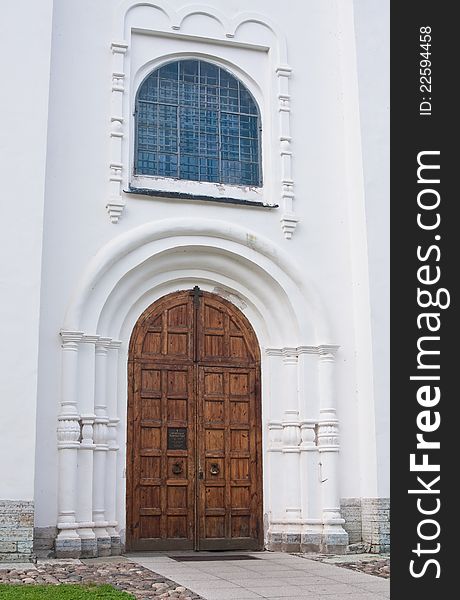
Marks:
<point>328,351</point>
<point>90,339</point>
<point>70,337</point>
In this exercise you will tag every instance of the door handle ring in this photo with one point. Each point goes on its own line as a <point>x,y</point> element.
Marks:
<point>177,468</point>
<point>214,469</point>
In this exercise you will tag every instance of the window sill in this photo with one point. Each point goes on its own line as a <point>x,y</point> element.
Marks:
<point>227,199</point>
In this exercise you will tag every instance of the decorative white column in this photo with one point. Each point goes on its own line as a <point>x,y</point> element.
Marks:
<point>291,437</point>
<point>86,450</point>
<point>112,444</point>
<point>284,447</point>
<point>274,470</point>
<point>85,503</point>
<point>116,203</point>
<point>101,448</point>
<point>309,484</point>
<point>335,537</point>
<point>68,542</point>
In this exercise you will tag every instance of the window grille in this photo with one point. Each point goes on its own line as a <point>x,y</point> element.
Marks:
<point>196,121</point>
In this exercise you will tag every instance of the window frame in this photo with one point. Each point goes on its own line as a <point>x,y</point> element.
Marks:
<point>156,185</point>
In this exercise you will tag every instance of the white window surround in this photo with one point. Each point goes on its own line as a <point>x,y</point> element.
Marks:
<point>199,189</point>
<point>213,36</point>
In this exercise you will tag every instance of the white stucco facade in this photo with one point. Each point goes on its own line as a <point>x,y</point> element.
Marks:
<point>82,258</point>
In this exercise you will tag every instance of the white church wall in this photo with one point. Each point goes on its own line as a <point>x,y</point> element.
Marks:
<point>372,45</point>
<point>24,110</point>
<point>325,246</point>
<point>374,112</point>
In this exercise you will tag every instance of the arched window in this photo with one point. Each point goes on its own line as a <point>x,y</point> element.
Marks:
<point>196,121</point>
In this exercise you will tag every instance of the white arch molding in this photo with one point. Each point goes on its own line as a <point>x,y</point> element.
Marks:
<point>300,428</point>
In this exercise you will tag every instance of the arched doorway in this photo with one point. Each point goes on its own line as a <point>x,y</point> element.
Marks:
<point>194,460</point>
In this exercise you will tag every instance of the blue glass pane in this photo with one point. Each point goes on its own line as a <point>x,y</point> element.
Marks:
<point>229,100</point>
<point>196,121</point>
<point>230,124</point>
<point>227,80</point>
<point>248,150</point>
<point>168,91</point>
<point>147,162</point>
<point>167,116</point>
<point>249,173</point>
<point>167,165</point>
<point>247,104</point>
<point>149,89</point>
<point>189,142</point>
<point>189,94</point>
<point>169,71</point>
<point>230,148</point>
<point>248,126</point>
<point>189,167</point>
<point>231,171</point>
<point>209,169</point>
<point>209,96</point>
<point>188,71</point>
<point>209,145</point>
<point>209,74</point>
<point>209,121</point>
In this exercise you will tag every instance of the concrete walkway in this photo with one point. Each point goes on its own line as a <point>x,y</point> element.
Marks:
<point>274,575</point>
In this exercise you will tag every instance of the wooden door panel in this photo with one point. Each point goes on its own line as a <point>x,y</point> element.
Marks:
<point>227,439</point>
<point>164,475</point>
<point>194,439</point>
<point>165,331</point>
<point>223,336</point>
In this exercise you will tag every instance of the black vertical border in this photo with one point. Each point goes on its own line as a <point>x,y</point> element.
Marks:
<point>410,134</point>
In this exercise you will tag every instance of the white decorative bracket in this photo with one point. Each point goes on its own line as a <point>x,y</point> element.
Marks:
<point>116,203</point>
<point>288,220</point>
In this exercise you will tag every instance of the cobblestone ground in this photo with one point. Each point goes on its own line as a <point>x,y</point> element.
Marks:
<point>121,574</point>
<point>372,564</point>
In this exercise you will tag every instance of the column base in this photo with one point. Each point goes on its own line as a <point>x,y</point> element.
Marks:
<point>311,542</point>
<point>115,542</point>
<point>325,542</point>
<point>283,542</point>
<point>68,547</point>
<point>104,546</point>
<point>334,542</point>
<point>88,548</point>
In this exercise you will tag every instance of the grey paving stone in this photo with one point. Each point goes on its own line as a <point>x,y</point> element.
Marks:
<point>233,594</point>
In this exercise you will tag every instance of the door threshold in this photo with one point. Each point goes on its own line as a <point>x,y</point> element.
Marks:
<point>212,556</point>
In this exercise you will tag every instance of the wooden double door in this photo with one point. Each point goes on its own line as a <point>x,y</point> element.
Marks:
<point>194,464</point>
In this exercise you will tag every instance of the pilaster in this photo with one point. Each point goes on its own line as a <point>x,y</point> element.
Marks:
<point>68,542</point>
<point>101,447</point>
<point>334,538</point>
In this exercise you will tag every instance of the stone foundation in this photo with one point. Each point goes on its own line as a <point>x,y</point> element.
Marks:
<point>367,522</point>
<point>47,545</point>
<point>44,538</point>
<point>351,511</point>
<point>326,543</point>
<point>376,524</point>
<point>16,530</point>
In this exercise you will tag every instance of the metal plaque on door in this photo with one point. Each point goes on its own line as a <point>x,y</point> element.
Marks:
<point>177,438</point>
